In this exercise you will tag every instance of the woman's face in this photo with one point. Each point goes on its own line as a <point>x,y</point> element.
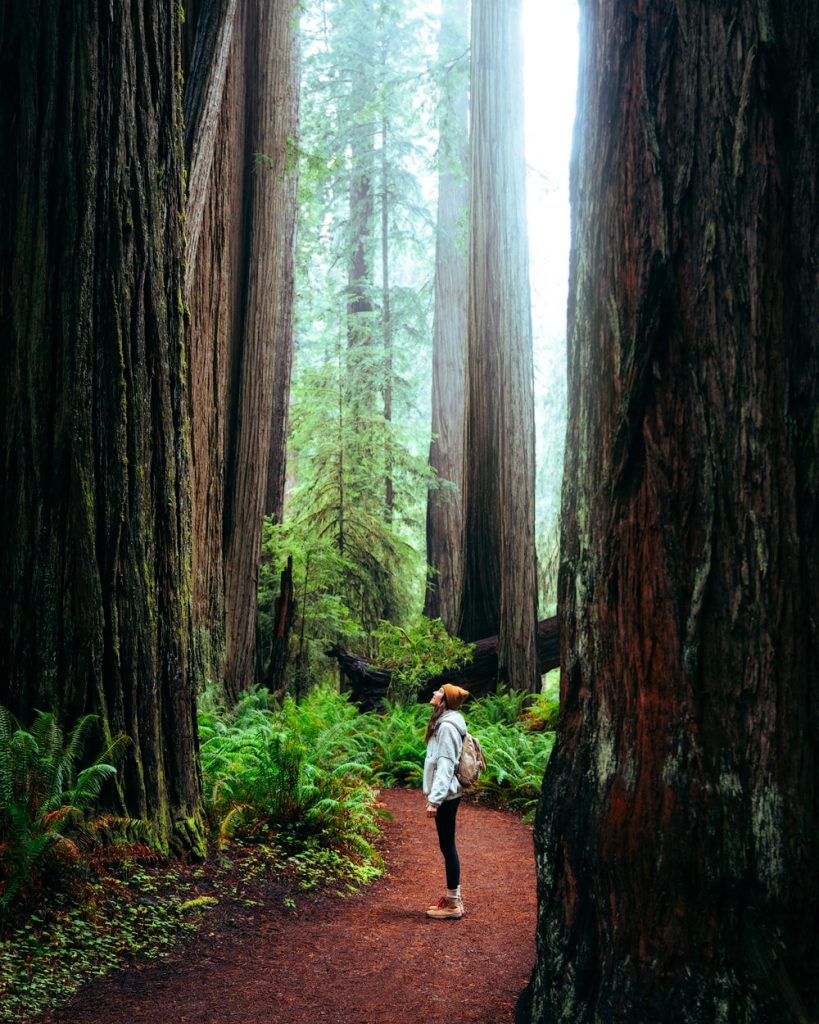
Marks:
<point>437,697</point>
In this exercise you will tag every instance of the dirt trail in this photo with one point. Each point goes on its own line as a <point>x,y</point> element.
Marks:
<point>372,958</point>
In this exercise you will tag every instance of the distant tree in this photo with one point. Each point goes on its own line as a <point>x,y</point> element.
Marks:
<point>364,265</point>
<point>446,450</point>
<point>95,609</point>
<point>499,585</point>
<point>358,38</point>
<point>678,831</point>
<point>241,227</point>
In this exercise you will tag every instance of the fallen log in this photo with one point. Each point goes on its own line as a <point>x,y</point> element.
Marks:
<point>368,684</point>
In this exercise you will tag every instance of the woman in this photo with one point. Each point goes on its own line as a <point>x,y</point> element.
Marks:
<point>445,738</point>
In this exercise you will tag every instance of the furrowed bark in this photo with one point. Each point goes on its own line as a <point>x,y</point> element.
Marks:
<point>95,609</point>
<point>499,586</point>
<point>241,310</point>
<point>677,832</point>
<point>446,450</point>
<point>266,340</point>
<point>204,94</point>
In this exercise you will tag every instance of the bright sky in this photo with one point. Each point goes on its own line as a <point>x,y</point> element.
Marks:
<point>550,84</point>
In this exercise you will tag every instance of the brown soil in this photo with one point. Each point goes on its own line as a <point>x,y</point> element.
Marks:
<point>371,958</point>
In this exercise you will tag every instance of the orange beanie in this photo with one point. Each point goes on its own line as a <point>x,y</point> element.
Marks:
<point>455,696</point>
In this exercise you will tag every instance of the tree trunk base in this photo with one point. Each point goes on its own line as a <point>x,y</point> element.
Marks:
<point>760,993</point>
<point>188,838</point>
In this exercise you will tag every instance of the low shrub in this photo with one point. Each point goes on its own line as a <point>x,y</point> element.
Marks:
<point>392,743</point>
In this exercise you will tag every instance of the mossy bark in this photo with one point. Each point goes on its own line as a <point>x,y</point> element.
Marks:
<point>677,836</point>
<point>95,604</point>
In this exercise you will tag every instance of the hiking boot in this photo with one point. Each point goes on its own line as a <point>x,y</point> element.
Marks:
<point>449,908</point>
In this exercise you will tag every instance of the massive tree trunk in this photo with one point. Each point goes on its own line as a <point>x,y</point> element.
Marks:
<point>446,451</point>
<point>95,607</point>
<point>678,832</point>
<point>241,312</point>
<point>499,585</point>
<point>284,202</point>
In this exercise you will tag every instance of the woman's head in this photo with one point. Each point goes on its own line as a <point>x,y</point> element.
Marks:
<point>445,698</point>
<point>453,695</point>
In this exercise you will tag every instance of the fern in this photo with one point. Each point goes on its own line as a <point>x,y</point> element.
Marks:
<point>45,802</point>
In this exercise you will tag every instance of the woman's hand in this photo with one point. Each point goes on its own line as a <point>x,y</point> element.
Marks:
<point>432,810</point>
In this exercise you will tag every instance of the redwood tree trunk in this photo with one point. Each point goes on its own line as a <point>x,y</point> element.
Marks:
<point>678,832</point>
<point>266,269</point>
<point>285,205</point>
<point>207,70</point>
<point>499,586</point>
<point>361,370</point>
<point>95,604</point>
<point>241,313</point>
<point>446,450</point>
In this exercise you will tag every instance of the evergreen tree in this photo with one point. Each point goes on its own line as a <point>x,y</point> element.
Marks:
<point>499,585</point>
<point>359,425</point>
<point>446,450</point>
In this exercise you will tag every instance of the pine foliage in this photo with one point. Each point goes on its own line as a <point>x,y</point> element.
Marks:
<point>359,414</point>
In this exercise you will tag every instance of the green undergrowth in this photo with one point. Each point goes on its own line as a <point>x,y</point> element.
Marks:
<point>289,774</point>
<point>291,793</point>
<point>516,734</point>
<point>315,765</point>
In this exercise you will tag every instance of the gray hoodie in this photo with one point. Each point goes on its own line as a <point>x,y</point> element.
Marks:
<point>443,754</point>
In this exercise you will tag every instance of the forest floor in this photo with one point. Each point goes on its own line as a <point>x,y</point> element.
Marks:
<point>367,958</point>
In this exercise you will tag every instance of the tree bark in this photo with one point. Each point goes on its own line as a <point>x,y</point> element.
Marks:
<point>499,584</point>
<point>446,450</point>
<point>284,615</point>
<point>241,311</point>
<point>677,837</point>
<point>286,130</point>
<point>266,270</point>
<point>204,93</point>
<point>95,609</point>
<point>361,376</point>
<point>386,320</point>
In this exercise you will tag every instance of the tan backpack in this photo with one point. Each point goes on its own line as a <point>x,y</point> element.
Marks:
<point>472,762</point>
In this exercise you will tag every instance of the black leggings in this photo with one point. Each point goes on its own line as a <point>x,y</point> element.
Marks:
<point>445,823</point>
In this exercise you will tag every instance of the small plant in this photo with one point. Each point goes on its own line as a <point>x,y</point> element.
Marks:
<point>417,654</point>
<point>46,803</point>
<point>542,714</point>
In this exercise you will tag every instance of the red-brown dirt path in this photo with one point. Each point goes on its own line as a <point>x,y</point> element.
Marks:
<point>371,958</point>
